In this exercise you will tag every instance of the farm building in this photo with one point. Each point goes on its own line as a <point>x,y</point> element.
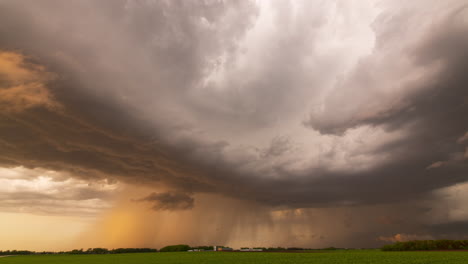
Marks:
<point>223,249</point>
<point>251,249</point>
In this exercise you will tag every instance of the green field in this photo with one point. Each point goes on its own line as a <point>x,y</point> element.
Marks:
<point>332,257</point>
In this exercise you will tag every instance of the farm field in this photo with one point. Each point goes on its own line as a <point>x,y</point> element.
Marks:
<point>328,257</point>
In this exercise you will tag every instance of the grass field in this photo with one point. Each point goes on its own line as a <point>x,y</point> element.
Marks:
<point>331,257</point>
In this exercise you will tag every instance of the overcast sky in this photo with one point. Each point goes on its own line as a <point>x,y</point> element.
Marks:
<point>313,123</point>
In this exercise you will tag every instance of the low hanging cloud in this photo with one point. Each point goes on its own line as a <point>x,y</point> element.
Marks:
<point>286,104</point>
<point>169,201</point>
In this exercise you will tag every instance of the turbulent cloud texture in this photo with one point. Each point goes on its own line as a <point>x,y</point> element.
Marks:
<point>22,84</point>
<point>300,105</point>
<point>50,193</point>
<point>169,201</point>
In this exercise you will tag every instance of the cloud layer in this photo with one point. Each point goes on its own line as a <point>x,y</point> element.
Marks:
<point>49,193</point>
<point>286,104</point>
<point>169,201</point>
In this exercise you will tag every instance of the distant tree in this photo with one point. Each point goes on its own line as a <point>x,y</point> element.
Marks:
<point>81,251</point>
<point>76,251</point>
<point>295,248</point>
<point>175,248</point>
<point>97,251</point>
<point>331,248</point>
<point>16,252</point>
<point>275,249</point>
<point>427,245</point>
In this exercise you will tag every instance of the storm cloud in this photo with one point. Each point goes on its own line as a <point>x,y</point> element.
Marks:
<point>169,201</point>
<point>290,105</point>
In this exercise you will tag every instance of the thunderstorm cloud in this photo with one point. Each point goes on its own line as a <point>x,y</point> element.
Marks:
<point>357,109</point>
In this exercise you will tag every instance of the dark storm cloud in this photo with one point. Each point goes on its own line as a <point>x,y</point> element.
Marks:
<point>96,135</point>
<point>434,115</point>
<point>450,230</point>
<point>130,74</point>
<point>169,201</point>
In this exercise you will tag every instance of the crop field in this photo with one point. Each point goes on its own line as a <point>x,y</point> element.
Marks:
<point>328,257</point>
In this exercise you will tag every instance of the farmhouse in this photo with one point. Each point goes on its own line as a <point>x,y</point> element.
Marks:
<point>223,249</point>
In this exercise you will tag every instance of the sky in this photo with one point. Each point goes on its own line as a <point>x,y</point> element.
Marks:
<point>143,123</point>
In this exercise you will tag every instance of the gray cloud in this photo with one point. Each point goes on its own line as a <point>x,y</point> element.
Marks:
<point>211,98</point>
<point>393,93</point>
<point>169,201</point>
<point>50,193</point>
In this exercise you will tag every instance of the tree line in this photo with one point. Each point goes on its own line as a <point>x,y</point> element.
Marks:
<point>397,246</point>
<point>183,247</point>
<point>16,252</point>
<point>171,248</point>
<point>418,245</point>
<point>81,251</point>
